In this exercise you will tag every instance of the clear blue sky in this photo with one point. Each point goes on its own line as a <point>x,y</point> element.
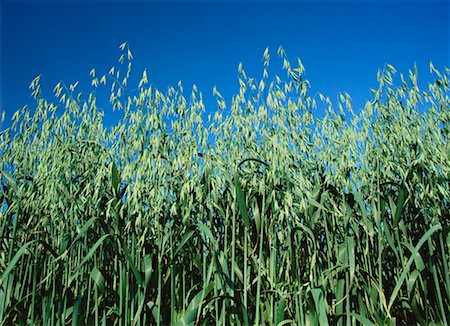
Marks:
<point>341,44</point>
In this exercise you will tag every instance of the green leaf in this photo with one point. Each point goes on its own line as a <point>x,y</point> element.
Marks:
<point>418,261</point>
<point>93,249</point>
<point>206,232</point>
<point>148,267</point>
<point>241,201</point>
<point>68,312</point>
<point>358,198</point>
<point>280,310</point>
<point>286,322</point>
<point>399,206</point>
<point>187,235</point>
<point>115,178</point>
<point>191,311</point>
<point>223,263</point>
<point>10,180</point>
<point>132,265</point>
<point>351,257</point>
<point>76,314</point>
<point>98,278</point>
<point>402,278</point>
<point>84,229</point>
<point>15,259</point>
<point>362,320</point>
<point>412,280</point>
<point>154,309</point>
<point>320,306</point>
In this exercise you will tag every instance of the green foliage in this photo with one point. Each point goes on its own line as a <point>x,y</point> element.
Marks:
<point>260,214</point>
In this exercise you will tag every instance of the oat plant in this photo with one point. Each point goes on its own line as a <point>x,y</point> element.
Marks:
<point>260,213</point>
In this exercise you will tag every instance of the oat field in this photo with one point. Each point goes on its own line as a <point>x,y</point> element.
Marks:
<point>259,213</point>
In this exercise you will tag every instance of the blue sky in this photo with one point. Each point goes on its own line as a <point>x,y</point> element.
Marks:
<point>341,44</point>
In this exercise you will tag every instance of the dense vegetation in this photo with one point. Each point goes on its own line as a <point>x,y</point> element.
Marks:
<point>260,214</point>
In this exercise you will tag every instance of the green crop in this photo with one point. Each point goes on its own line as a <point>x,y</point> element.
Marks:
<point>261,213</point>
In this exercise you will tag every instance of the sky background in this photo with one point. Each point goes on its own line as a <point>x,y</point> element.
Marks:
<point>341,44</point>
